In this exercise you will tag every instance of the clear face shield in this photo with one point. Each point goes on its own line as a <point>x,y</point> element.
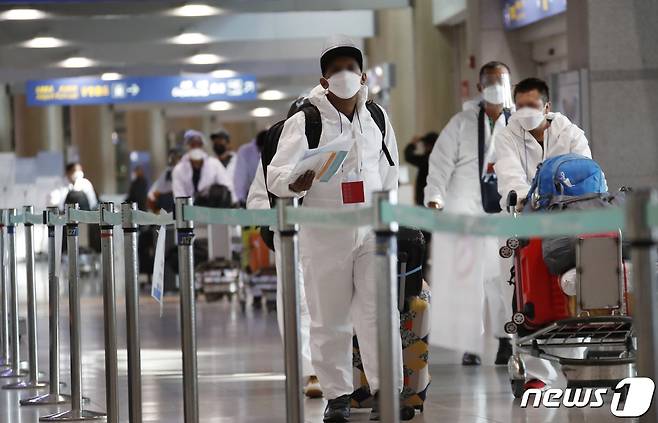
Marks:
<point>497,89</point>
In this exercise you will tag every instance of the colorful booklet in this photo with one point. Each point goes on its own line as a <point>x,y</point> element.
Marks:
<point>325,161</point>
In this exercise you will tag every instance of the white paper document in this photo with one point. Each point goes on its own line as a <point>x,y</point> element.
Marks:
<point>157,284</point>
<point>324,161</point>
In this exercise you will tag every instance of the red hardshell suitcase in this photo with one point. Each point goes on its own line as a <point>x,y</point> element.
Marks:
<point>538,294</point>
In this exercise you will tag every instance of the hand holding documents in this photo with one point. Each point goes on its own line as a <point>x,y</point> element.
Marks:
<point>324,161</point>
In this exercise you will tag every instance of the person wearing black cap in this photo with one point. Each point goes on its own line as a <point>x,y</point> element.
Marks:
<point>339,264</point>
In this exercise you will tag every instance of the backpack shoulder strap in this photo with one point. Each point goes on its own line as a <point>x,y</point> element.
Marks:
<point>378,116</point>
<point>507,112</point>
<point>313,124</point>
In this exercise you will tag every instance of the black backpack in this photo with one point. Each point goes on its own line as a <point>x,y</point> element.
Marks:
<point>313,130</point>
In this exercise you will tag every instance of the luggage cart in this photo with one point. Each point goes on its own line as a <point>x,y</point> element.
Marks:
<point>591,338</point>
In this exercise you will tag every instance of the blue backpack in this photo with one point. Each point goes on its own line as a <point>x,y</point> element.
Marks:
<point>570,175</point>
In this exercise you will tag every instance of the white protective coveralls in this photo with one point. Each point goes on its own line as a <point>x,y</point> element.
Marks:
<point>339,264</point>
<point>258,199</point>
<point>212,172</point>
<point>519,153</point>
<point>467,269</point>
<point>58,196</point>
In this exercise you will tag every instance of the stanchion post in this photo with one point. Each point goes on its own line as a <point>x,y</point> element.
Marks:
<point>645,287</point>
<point>4,296</point>
<point>14,371</point>
<point>184,240</point>
<point>53,396</point>
<point>291,334</point>
<point>32,381</point>
<point>386,267</point>
<point>109,313</point>
<point>76,413</point>
<point>132,312</point>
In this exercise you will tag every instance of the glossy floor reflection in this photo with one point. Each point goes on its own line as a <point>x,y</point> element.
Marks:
<point>241,371</point>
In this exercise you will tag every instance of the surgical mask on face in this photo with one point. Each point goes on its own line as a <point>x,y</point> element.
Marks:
<point>196,154</point>
<point>219,149</point>
<point>529,118</point>
<point>77,175</point>
<point>345,84</point>
<point>494,94</point>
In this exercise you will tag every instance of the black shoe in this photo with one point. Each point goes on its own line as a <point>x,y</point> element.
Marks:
<point>338,409</point>
<point>504,351</point>
<point>471,360</point>
<point>406,413</point>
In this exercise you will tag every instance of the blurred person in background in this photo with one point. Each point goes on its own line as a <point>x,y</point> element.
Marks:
<point>221,145</point>
<point>74,187</point>
<point>138,190</point>
<point>472,273</point>
<point>201,176</point>
<point>161,194</point>
<point>417,153</point>
<point>247,161</point>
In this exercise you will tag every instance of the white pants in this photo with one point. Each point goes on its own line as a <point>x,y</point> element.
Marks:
<point>341,288</point>
<point>498,299</point>
<point>304,317</point>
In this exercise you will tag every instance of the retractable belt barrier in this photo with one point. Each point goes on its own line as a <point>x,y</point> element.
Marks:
<point>639,220</point>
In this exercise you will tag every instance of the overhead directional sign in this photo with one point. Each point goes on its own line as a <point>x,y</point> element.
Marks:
<point>518,13</point>
<point>146,89</point>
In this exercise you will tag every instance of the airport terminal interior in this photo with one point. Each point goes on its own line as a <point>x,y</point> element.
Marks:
<point>164,274</point>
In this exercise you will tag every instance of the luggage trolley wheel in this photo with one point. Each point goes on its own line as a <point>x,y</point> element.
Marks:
<point>506,252</point>
<point>518,318</point>
<point>513,243</point>
<point>511,328</point>
<point>517,387</point>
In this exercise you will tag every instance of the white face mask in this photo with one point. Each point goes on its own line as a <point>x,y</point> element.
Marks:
<point>529,118</point>
<point>77,175</point>
<point>196,154</point>
<point>494,94</point>
<point>345,84</point>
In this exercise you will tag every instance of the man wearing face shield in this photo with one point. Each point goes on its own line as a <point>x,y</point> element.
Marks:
<point>200,176</point>
<point>338,264</point>
<point>533,135</point>
<point>471,270</point>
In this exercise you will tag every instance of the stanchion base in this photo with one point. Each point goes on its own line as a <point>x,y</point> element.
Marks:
<point>26,384</point>
<point>4,362</point>
<point>9,374</point>
<point>74,416</point>
<point>47,399</point>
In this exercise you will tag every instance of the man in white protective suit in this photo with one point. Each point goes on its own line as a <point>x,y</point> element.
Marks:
<point>259,199</point>
<point>198,173</point>
<point>469,269</point>
<point>533,135</point>
<point>339,271</point>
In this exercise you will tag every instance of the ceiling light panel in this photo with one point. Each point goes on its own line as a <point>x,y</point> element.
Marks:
<point>44,42</point>
<point>224,73</point>
<point>272,95</point>
<point>204,59</point>
<point>111,76</point>
<point>22,15</point>
<point>77,62</point>
<point>196,10</point>
<point>191,38</point>
<point>262,112</point>
<point>220,106</point>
